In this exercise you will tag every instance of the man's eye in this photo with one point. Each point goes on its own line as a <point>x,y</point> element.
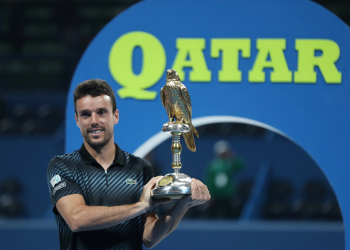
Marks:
<point>84,114</point>
<point>102,112</point>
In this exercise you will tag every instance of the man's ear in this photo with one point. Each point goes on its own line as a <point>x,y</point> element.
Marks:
<point>116,116</point>
<point>76,120</point>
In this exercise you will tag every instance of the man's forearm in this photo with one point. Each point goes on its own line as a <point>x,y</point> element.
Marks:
<point>156,230</point>
<point>86,218</point>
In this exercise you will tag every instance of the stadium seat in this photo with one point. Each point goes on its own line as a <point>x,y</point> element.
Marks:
<point>331,211</point>
<point>33,127</point>
<point>9,126</point>
<point>4,66</point>
<point>43,49</point>
<point>48,112</point>
<point>40,31</point>
<point>5,28</point>
<point>16,67</point>
<point>100,13</point>
<point>10,206</point>
<point>50,117</point>
<point>23,112</point>
<point>280,189</point>
<point>236,205</point>
<point>6,12</point>
<point>276,209</point>
<point>277,205</point>
<point>50,67</point>
<point>10,186</point>
<point>39,13</point>
<point>307,209</point>
<point>6,49</point>
<point>314,190</point>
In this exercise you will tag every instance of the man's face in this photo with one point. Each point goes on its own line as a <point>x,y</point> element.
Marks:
<point>96,119</point>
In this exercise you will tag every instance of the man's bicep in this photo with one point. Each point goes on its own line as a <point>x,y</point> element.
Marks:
<point>68,205</point>
<point>61,182</point>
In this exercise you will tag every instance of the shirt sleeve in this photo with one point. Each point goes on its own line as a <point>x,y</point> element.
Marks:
<point>60,181</point>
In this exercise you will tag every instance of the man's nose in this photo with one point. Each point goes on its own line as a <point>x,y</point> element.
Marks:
<point>94,120</point>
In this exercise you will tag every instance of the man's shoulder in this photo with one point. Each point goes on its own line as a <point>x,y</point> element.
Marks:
<point>64,161</point>
<point>133,159</point>
<point>74,156</point>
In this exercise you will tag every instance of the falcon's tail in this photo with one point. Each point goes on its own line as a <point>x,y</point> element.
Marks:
<point>189,139</point>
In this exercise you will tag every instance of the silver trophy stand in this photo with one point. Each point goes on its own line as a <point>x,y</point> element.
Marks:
<point>174,185</point>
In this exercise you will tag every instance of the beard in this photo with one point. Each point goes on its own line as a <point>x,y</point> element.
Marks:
<point>98,145</point>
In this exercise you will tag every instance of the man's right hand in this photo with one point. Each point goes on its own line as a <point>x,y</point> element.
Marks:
<point>146,197</point>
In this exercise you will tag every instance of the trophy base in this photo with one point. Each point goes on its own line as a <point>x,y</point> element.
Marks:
<point>173,186</point>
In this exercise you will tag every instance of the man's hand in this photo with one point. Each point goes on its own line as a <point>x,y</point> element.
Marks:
<point>156,229</point>
<point>146,194</point>
<point>200,195</point>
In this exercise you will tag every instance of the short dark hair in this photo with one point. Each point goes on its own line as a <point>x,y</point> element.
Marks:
<point>94,87</point>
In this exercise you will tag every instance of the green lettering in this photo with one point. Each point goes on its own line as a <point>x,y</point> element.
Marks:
<point>153,65</point>
<point>192,48</point>
<point>307,60</point>
<point>273,48</point>
<point>230,57</point>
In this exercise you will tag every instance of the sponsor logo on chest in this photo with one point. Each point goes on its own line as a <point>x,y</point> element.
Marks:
<point>131,181</point>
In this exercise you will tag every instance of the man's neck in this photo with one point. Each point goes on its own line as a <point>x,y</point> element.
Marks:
<point>103,156</point>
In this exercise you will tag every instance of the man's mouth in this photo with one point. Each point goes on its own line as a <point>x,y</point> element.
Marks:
<point>95,132</point>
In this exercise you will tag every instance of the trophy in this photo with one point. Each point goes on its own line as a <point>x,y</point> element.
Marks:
<point>176,100</point>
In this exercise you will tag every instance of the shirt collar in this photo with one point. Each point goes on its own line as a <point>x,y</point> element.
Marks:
<point>88,159</point>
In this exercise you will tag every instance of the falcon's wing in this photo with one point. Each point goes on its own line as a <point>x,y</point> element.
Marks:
<point>187,99</point>
<point>162,96</point>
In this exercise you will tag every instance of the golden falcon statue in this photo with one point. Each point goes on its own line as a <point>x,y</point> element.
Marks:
<point>177,102</point>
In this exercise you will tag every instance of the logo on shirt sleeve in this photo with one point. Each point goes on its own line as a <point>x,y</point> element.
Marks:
<point>62,185</point>
<point>56,179</point>
<point>131,181</point>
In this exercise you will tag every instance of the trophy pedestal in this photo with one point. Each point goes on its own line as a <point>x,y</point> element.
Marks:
<point>178,185</point>
<point>174,185</point>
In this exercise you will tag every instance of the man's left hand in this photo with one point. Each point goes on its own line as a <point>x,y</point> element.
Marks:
<point>200,195</point>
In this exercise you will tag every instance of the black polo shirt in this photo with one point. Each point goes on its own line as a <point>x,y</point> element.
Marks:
<point>121,184</point>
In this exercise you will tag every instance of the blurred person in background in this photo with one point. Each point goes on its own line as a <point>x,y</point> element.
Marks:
<point>219,177</point>
<point>101,195</point>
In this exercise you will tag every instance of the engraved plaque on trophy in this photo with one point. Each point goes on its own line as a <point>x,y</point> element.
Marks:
<point>176,100</point>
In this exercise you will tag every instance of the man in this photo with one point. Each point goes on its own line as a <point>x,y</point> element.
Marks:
<point>220,179</point>
<point>101,194</point>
